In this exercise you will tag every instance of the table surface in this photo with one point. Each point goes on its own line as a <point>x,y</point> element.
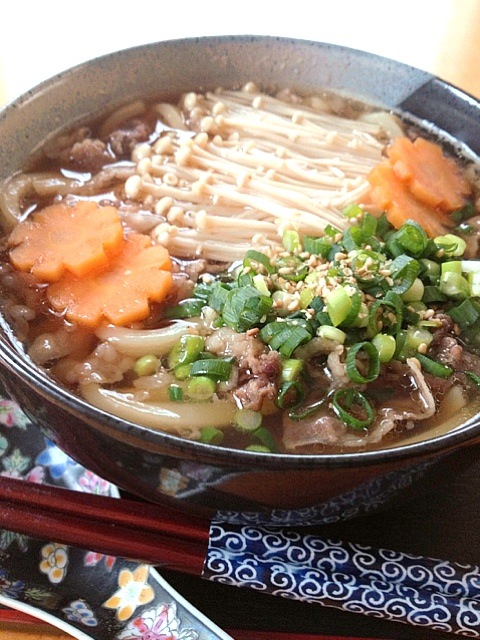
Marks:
<point>439,518</point>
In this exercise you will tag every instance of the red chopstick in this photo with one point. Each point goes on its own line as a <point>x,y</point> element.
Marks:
<point>106,538</point>
<point>139,531</point>
<point>144,516</point>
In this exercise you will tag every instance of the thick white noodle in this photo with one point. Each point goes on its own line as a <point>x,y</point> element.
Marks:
<point>138,342</point>
<point>179,418</point>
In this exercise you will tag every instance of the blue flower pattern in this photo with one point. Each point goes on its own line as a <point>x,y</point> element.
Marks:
<point>58,462</point>
<point>79,611</point>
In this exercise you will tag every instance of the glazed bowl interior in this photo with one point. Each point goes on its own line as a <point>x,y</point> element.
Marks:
<point>167,69</point>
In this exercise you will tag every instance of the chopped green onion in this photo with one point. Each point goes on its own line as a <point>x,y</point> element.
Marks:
<point>211,435</point>
<point>466,266</point>
<point>245,308</point>
<point>306,297</point>
<point>412,238</point>
<point>291,369</point>
<point>300,412</point>
<point>386,314</point>
<point>291,241</point>
<point>247,420</point>
<point>290,394</point>
<point>259,448</point>
<point>433,367</point>
<point>473,279</point>
<point>292,268</point>
<point>430,270</point>
<point>475,378</point>
<point>186,350</point>
<point>291,338</point>
<point>466,313</point>
<point>254,258</point>
<point>454,285</point>
<point>354,317</point>
<point>373,363</point>
<point>432,293</point>
<point>353,408</point>
<point>188,308</point>
<point>415,293</point>
<point>338,304</point>
<point>385,345</point>
<point>404,271</point>
<point>175,393</point>
<point>146,365</point>
<point>260,283</point>
<point>200,388</point>
<point>409,341</point>
<point>317,246</point>
<point>332,333</point>
<point>266,438</point>
<point>451,245</point>
<point>352,211</point>
<point>216,368</point>
<point>182,371</point>
<point>270,329</point>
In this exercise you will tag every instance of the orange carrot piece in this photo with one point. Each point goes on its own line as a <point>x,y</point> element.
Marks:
<point>431,177</point>
<point>121,294</point>
<point>61,238</point>
<point>391,195</point>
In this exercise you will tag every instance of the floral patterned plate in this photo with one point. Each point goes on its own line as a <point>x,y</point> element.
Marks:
<point>88,595</point>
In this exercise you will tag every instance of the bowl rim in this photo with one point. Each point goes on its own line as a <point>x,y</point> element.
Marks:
<point>14,360</point>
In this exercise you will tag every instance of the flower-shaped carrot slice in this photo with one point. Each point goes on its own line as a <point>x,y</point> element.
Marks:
<point>61,238</point>
<point>392,195</point>
<point>121,294</point>
<point>431,177</point>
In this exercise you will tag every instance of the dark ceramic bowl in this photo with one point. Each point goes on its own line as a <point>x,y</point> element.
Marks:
<point>204,479</point>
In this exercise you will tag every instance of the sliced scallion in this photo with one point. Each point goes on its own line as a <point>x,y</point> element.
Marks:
<point>200,388</point>
<point>338,304</point>
<point>254,258</point>
<point>332,333</point>
<point>146,365</point>
<point>290,394</point>
<point>211,435</point>
<point>433,367</point>
<point>385,345</point>
<point>247,420</point>
<point>186,350</point>
<point>188,308</point>
<point>216,368</point>
<point>372,363</point>
<point>291,241</point>
<point>175,393</point>
<point>244,308</point>
<point>266,439</point>
<point>353,408</point>
<point>404,271</point>
<point>466,313</point>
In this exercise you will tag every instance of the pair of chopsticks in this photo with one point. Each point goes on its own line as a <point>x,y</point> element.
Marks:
<point>125,528</point>
<point>281,561</point>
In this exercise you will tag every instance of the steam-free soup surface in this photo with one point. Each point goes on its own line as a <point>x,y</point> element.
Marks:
<point>276,273</point>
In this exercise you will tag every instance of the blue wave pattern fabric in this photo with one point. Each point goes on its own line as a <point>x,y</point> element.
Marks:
<point>396,586</point>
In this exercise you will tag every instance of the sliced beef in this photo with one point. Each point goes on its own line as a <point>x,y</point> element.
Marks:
<point>123,140</point>
<point>259,367</point>
<point>88,155</point>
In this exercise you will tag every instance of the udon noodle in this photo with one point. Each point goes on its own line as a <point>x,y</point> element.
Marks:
<point>272,272</point>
